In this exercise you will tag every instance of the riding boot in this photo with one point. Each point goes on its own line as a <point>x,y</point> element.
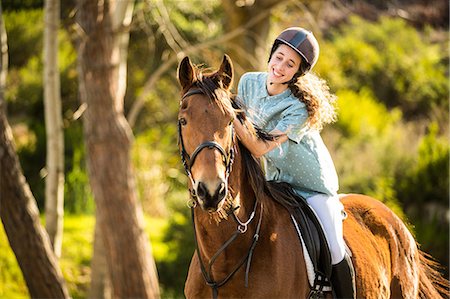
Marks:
<point>343,279</point>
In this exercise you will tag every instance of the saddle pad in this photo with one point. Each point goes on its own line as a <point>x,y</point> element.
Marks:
<point>311,272</point>
<point>313,236</point>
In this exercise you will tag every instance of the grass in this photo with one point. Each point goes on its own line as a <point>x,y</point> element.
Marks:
<point>78,239</point>
<point>76,256</point>
<point>12,284</point>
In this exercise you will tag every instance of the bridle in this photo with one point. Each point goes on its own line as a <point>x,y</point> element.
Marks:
<point>188,161</point>
<point>228,159</point>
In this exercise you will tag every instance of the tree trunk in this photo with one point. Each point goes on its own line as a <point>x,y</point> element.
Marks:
<point>54,182</point>
<point>19,213</point>
<point>108,140</point>
<point>249,51</point>
<point>100,282</point>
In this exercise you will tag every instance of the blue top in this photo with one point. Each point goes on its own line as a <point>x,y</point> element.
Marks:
<point>303,160</point>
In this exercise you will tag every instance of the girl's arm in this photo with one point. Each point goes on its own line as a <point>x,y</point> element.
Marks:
<point>255,145</point>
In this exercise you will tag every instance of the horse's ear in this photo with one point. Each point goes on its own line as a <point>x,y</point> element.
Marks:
<point>185,73</point>
<point>226,71</point>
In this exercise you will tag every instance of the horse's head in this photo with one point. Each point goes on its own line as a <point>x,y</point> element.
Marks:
<point>206,136</point>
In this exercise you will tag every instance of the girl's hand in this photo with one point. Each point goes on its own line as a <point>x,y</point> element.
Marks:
<point>255,145</point>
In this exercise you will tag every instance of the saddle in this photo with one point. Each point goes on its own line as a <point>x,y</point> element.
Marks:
<point>312,238</point>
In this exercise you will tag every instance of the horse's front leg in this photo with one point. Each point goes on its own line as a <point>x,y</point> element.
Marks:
<point>195,286</point>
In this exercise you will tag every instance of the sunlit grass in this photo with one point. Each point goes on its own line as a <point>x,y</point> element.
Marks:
<point>12,284</point>
<point>76,256</point>
<point>77,253</point>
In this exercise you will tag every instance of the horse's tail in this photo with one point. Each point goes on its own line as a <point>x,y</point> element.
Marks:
<point>431,282</point>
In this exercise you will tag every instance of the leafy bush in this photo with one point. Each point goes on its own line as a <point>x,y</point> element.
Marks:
<point>382,72</point>
<point>428,180</point>
<point>401,66</point>
<point>25,100</point>
<point>179,237</point>
<point>424,193</point>
<point>379,69</point>
<point>369,145</point>
<point>158,168</point>
<point>25,40</point>
<point>361,115</point>
<point>77,193</point>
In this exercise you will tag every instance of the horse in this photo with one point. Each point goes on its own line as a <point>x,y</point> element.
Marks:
<point>246,244</point>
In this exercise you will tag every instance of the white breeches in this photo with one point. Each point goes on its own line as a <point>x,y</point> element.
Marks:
<point>329,211</point>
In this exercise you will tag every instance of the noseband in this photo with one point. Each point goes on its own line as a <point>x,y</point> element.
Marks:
<point>188,161</point>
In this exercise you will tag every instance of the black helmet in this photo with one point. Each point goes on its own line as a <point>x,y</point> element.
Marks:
<point>303,42</point>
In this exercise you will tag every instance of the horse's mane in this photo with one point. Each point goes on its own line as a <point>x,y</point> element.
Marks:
<point>281,192</point>
<point>211,85</point>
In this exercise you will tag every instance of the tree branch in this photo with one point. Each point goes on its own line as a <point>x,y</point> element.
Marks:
<point>140,101</point>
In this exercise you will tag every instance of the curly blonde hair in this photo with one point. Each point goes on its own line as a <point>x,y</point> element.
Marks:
<point>315,94</point>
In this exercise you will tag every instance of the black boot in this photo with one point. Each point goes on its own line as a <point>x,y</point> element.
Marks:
<point>343,279</point>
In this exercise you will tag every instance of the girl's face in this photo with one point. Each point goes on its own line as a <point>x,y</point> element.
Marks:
<point>283,64</point>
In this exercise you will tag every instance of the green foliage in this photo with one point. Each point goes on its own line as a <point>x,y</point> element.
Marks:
<point>368,145</point>
<point>195,23</point>
<point>158,168</point>
<point>77,253</point>
<point>77,193</point>
<point>25,101</point>
<point>379,69</point>
<point>25,39</point>
<point>381,156</point>
<point>12,284</point>
<point>32,160</point>
<point>172,245</point>
<point>428,181</point>
<point>75,260</point>
<point>179,239</point>
<point>401,66</point>
<point>424,192</point>
<point>360,114</point>
<point>26,92</point>
<point>433,238</point>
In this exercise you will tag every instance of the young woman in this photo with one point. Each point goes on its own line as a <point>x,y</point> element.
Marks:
<point>293,104</point>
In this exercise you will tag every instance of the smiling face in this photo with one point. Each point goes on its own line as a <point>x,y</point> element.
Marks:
<point>283,64</point>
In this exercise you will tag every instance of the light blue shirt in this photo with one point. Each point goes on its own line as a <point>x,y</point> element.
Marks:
<point>303,161</point>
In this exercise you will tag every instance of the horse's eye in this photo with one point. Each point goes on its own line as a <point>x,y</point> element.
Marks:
<point>182,121</point>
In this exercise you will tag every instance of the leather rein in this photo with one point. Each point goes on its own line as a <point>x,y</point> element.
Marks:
<point>228,159</point>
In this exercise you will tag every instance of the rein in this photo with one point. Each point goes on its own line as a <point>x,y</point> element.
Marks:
<point>246,258</point>
<point>228,159</point>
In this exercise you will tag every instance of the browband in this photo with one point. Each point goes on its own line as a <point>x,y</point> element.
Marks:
<point>192,92</point>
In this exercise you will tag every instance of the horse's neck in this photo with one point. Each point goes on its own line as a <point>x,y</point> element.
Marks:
<point>211,235</point>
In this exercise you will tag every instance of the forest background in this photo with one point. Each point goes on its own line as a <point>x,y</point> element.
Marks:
<point>387,61</point>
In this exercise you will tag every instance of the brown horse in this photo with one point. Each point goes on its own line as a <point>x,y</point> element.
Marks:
<point>247,246</point>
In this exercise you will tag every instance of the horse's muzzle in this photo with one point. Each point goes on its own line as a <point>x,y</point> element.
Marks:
<point>210,196</point>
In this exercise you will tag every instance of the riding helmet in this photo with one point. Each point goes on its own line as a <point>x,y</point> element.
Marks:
<point>303,42</point>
